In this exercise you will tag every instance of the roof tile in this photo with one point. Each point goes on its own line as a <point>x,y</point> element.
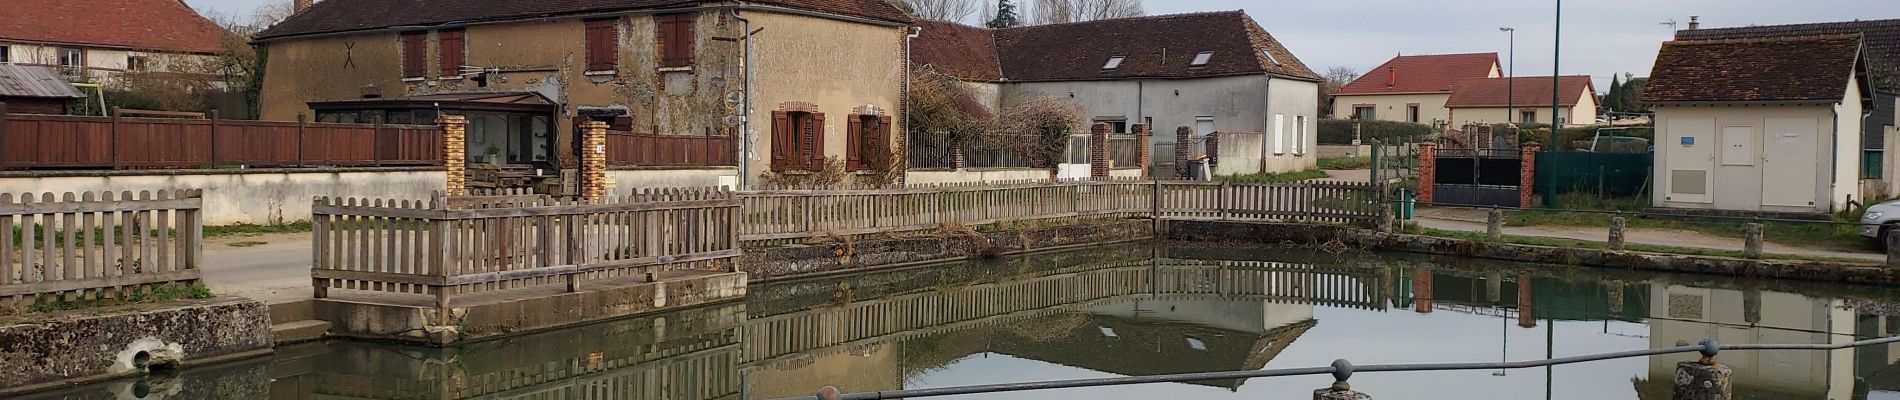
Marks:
<point>1422,74</point>
<point>1531,91</point>
<point>1163,46</point>
<point>166,25</point>
<point>331,16</point>
<point>1753,70</point>
<point>1881,37</point>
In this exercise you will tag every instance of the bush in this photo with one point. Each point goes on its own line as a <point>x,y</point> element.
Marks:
<point>1339,131</point>
<point>1345,163</point>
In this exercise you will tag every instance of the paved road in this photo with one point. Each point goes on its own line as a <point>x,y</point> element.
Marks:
<point>273,268</point>
<point>1470,220</point>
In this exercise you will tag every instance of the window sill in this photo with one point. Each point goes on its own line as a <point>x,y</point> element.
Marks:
<point>451,78</point>
<point>600,73</point>
<point>676,69</point>
<point>412,80</point>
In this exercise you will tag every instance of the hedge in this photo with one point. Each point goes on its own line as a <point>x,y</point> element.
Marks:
<point>1339,131</point>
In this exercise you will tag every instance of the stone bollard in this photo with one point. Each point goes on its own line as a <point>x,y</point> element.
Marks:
<point>1704,379</point>
<point>1616,233</point>
<point>1494,225</point>
<point>1340,390</point>
<point>1893,250</point>
<point>1751,241</point>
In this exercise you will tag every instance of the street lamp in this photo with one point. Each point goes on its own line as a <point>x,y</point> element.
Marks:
<point>1510,79</point>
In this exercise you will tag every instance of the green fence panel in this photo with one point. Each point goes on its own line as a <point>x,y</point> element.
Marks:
<point>1609,174</point>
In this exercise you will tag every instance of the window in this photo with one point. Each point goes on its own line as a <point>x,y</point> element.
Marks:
<point>1872,166</point>
<point>1115,125</point>
<point>1411,113</point>
<point>1270,57</point>
<point>415,61</point>
<point>601,36</point>
<point>453,50</point>
<point>1200,60</point>
<point>136,63</point>
<point>1279,133</point>
<point>867,142</point>
<point>798,141</point>
<point>1364,112</point>
<point>6,55</point>
<point>1527,117</point>
<point>1114,62</point>
<point>72,59</point>
<point>675,33</point>
<point>1299,135</point>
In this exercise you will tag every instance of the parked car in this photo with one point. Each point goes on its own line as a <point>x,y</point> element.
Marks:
<point>1879,222</point>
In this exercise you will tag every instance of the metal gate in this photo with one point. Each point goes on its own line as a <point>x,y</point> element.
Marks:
<point>1484,177</point>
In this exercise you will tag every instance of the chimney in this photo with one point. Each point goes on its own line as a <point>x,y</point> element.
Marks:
<point>298,6</point>
<point>1694,22</point>
<point>1391,76</point>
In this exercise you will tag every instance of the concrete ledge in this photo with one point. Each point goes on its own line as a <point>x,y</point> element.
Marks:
<point>491,318</point>
<point>45,351</point>
<point>809,260</point>
<point>208,171</point>
<point>1276,233</point>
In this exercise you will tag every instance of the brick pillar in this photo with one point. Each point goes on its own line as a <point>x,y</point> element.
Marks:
<point>1145,143</point>
<point>455,151</point>
<point>1422,290</point>
<point>1526,305</point>
<point>956,157</point>
<point>1183,146</point>
<point>1427,170</point>
<point>1527,181</point>
<point>1213,151</point>
<point>1098,151</point>
<point>594,184</point>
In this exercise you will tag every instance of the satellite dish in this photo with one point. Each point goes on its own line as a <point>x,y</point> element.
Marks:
<point>732,98</point>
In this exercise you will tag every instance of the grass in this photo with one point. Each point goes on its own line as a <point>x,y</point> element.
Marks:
<point>249,229</point>
<point>1345,163</point>
<point>1802,234</point>
<point>157,294</point>
<point>1635,247</point>
<point>1282,177</point>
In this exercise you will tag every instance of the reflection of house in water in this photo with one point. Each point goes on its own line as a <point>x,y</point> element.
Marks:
<point>1686,314</point>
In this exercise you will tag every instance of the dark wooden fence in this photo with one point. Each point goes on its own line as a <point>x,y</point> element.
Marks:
<point>55,141</point>
<point>629,149</point>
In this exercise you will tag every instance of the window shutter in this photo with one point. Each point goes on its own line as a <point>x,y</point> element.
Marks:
<point>601,38</point>
<point>675,39</point>
<point>882,153</point>
<point>782,144</point>
<point>815,137</point>
<point>853,143</point>
<point>453,52</point>
<point>415,63</point>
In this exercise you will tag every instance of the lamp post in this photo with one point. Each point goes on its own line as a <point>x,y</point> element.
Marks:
<point>1556,98</point>
<point>1510,79</point>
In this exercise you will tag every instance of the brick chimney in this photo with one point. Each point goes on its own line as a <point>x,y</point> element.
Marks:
<point>1391,76</point>
<point>1695,22</point>
<point>298,6</point>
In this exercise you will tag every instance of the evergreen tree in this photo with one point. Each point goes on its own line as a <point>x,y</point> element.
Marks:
<point>1614,100</point>
<point>1005,16</point>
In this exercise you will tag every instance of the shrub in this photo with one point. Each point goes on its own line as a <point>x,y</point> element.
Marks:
<point>1339,131</point>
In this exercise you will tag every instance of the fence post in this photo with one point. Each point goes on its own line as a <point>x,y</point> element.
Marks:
<point>214,137</point>
<point>455,151</point>
<point>442,257</point>
<point>1144,143</point>
<point>1704,379</point>
<point>300,139</point>
<point>1751,241</point>
<point>1098,151</point>
<point>3,134</point>
<point>1616,233</point>
<point>593,160</point>
<point>1222,199</point>
<point>1340,390</point>
<point>1154,204</point>
<point>1527,176</point>
<point>319,230</point>
<point>1183,147</point>
<point>114,141</point>
<point>376,141</point>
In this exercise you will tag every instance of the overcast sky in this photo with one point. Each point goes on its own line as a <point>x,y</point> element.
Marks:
<point>1600,37</point>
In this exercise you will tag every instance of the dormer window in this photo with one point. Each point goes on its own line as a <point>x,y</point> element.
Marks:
<point>1270,57</point>
<point>1200,60</point>
<point>1114,62</point>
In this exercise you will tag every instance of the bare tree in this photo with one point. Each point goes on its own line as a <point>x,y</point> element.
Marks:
<point>1065,11</point>
<point>1336,77</point>
<point>940,10</point>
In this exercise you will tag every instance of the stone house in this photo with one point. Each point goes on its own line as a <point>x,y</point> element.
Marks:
<point>1412,88</point>
<point>1524,99</point>
<point>98,41</point>
<point>704,92</point>
<point>1214,71</point>
<point>1759,125</point>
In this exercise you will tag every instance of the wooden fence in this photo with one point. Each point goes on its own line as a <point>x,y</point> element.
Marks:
<point>1333,202</point>
<point>646,149</point>
<point>469,244</point>
<point>55,141</point>
<point>83,246</point>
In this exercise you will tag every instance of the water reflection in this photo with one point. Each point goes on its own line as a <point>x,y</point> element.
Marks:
<point>1131,310</point>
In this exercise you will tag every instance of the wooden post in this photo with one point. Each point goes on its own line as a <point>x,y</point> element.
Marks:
<point>443,256</point>
<point>114,140</point>
<point>376,141</point>
<point>300,139</point>
<point>319,230</point>
<point>1221,198</point>
<point>3,134</point>
<point>214,137</point>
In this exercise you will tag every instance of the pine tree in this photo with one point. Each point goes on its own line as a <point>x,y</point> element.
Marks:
<point>1005,16</point>
<point>1614,101</point>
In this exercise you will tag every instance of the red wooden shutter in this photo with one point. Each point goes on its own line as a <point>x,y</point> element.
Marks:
<point>676,39</point>
<point>853,143</point>
<point>601,36</point>
<point>883,141</point>
<point>815,136</point>
<point>782,144</point>
<point>415,61</point>
<point>453,52</point>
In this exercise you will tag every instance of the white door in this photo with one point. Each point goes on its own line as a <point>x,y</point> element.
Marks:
<point>1790,147</point>
<point>1203,126</point>
<point>1690,149</point>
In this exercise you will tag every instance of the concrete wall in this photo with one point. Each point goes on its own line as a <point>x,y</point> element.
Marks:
<point>1334,151</point>
<point>1298,101</point>
<point>838,66</point>
<point>630,181</point>
<point>1239,153</point>
<point>988,94</point>
<point>1391,107</point>
<point>1236,103</point>
<point>50,351</point>
<point>1847,152</point>
<point>975,175</point>
<point>259,197</point>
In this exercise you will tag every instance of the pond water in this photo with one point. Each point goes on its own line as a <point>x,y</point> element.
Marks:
<point>1131,310</point>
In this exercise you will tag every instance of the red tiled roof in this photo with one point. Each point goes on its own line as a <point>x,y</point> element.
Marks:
<point>330,16</point>
<point>960,51</point>
<point>1881,38</point>
<point>1753,70</point>
<point>1532,91</point>
<point>167,25</point>
<point>1422,74</point>
<point>1162,46</point>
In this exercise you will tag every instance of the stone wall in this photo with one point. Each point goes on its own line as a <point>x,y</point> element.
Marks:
<point>804,260</point>
<point>244,196</point>
<point>47,351</point>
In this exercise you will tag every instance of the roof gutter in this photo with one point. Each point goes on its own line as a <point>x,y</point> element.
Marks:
<point>649,11</point>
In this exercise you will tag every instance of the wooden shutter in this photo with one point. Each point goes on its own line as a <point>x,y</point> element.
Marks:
<point>415,61</point>
<point>854,143</point>
<point>453,52</point>
<point>601,36</point>
<point>882,140</point>
<point>782,145</point>
<point>814,135</point>
<point>675,39</point>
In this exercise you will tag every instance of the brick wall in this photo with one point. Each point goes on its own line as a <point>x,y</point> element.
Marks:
<point>1145,140</point>
<point>1183,146</point>
<point>1098,151</point>
<point>1213,150</point>
<point>455,151</point>
<point>1427,171</point>
<point>594,183</point>
<point>1527,180</point>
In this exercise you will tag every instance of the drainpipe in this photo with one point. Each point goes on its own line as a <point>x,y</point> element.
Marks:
<point>745,103</point>
<point>915,31</point>
<point>1266,97</point>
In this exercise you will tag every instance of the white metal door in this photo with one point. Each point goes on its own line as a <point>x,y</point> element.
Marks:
<point>1789,162</point>
<point>1691,155</point>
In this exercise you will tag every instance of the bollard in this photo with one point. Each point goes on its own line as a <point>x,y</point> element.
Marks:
<point>1704,379</point>
<point>1751,242</point>
<point>829,393</point>
<point>1616,233</point>
<point>1494,225</point>
<point>1893,250</point>
<point>1340,390</point>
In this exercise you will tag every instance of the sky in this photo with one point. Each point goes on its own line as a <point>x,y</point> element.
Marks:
<point>1602,38</point>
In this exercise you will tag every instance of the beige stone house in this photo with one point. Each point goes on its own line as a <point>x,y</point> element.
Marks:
<point>1412,88</point>
<point>1524,100</point>
<point>696,93</point>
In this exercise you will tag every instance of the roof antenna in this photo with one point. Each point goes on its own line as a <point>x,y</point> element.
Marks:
<point>1671,23</point>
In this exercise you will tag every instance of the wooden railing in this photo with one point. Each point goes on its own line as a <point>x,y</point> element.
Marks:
<point>452,245</point>
<point>53,141</point>
<point>628,149</point>
<point>1336,202</point>
<point>97,245</point>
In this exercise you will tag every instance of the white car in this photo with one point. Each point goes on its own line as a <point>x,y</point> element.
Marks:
<point>1880,221</point>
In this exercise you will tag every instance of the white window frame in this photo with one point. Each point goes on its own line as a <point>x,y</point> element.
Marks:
<point>1201,60</point>
<point>1299,135</point>
<point>1279,134</point>
<point>1114,62</point>
<point>1270,57</point>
